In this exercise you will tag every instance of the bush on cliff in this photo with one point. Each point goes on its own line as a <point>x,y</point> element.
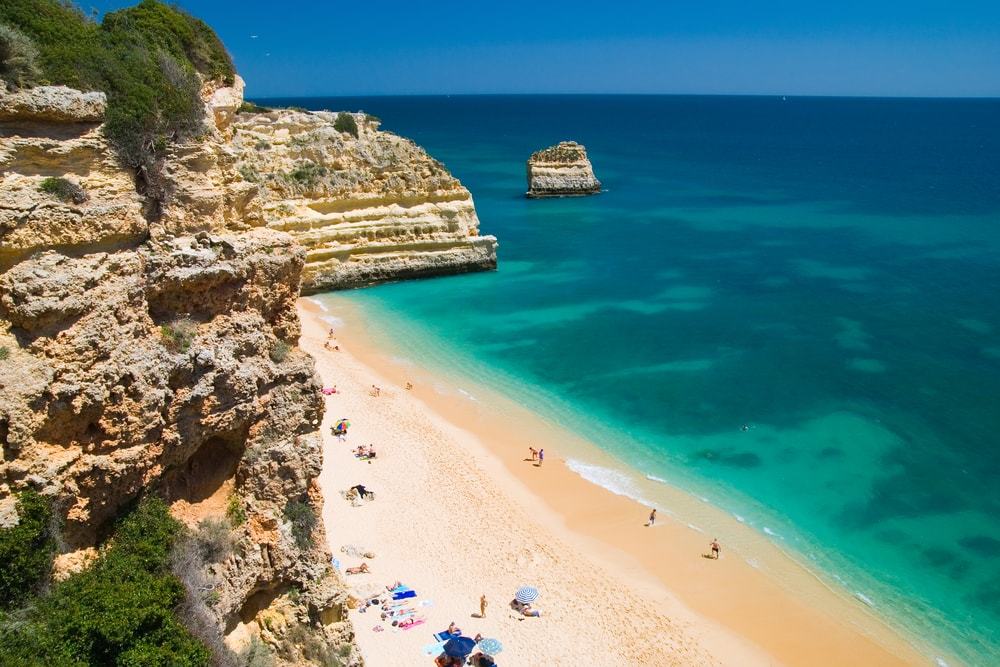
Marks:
<point>345,123</point>
<point>147,59</point>
<point>303,519</point>
<point>18,58</point>
<point>63,189</point>
<point>120,611</point>
<point>26,550</point>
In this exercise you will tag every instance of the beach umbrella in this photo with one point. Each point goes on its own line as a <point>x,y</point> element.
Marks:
<point>526,594</point>
<point>490,646</point>
<point>343,425</point>
<point>459,647</point>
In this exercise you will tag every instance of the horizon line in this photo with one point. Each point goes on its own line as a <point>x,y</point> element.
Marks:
<point>591,94</point>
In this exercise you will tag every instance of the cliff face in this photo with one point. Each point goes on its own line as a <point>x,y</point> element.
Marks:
<point>367,208</point>
<point>560,171</point>
<point>158,356</point>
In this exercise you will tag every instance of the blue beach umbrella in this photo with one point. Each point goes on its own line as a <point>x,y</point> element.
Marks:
<point>490,646</point>
<point>459,647</point>
<point>526,594</point>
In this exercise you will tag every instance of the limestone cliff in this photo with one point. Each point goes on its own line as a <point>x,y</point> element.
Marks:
<point>368,208</point>
<point>141,356</point>
<point>562,170</point>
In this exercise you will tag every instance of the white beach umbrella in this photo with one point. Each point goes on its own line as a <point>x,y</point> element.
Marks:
<point>526,594</point>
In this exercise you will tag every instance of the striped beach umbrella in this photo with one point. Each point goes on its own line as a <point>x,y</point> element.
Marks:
<point>526,594</point>
<point>490,646</point>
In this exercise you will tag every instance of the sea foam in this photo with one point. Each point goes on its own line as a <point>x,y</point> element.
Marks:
<point>614,481</point>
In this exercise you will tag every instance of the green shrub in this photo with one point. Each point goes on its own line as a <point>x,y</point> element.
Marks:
<point>18,58</point>
<point>262,145</point>
<point>146,58</point>
<point>307,173</point>
<point>280,351</point>
<point>63,190</point>
<point>235,512</point>
<point>257,654</point>
<point>214,539</point>
<point>120,611</point>
<point>250,107</point>
<point>248,173</point>
<point>26,549</point>
<point>303,520</point>
<point>179,334</point>
<point>345,123</point>
<point>4,353</point>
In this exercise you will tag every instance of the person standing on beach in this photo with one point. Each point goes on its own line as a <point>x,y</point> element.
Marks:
<point>541,457</point>
<point>534,453</point>
<point>715,548</point>
<point>482,605</point>
<point>652,518</point>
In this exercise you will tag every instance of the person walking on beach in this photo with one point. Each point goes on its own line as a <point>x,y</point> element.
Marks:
<point>715,548</point>
<point>541,458</point>
<point>482,605</point>
<point>652,518</point>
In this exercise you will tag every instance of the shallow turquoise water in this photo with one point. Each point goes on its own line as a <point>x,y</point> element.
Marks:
<point>825,271</point>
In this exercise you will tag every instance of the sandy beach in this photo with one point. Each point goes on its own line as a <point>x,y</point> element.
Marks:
<point>459,513</point>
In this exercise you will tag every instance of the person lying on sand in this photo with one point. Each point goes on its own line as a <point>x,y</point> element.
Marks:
<point>453,629</point>
<point>362,491</point>
<point>524,608</point>
<point>360,569</point>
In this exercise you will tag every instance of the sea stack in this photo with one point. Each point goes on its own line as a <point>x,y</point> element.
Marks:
<point>562,170</point>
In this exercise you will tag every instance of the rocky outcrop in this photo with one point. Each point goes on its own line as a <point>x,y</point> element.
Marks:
<point>53,104</point>
<point>562,170</point>
<point>368,208</point>
<point>159,356</point>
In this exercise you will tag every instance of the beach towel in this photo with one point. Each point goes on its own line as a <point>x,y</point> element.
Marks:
<point>397,589</point>
<point>416,622</point>
<point>434,649</point>
<point>445,636</point>
<point>402,595</point>
<point>336,564</point>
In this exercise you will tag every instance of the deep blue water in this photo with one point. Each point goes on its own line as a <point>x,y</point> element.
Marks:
<point>826,271</point>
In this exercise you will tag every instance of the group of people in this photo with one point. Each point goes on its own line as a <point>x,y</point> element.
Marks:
<point>365,451</point>
<point>537,456</point>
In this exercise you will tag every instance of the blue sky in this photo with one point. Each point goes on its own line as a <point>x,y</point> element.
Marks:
<point>834,47</point>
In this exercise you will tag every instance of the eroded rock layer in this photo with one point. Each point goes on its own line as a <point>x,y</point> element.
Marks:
<point>368,208</point>
<point>562,170</point>
<point>159,356</point>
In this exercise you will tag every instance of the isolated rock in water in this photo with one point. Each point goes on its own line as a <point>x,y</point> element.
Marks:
<point>562,170</point>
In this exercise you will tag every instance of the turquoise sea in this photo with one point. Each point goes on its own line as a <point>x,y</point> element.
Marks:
<point>823,271</point>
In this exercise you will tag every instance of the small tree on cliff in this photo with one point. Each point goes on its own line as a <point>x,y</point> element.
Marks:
<point>345,123</point>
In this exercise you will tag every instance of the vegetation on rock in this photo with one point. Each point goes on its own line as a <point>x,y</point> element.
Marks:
<point>303,520</point>
<point>63,189</point>
<point>120,611</point>
<point>26,550</point>
<point>345,123</point>
<point>234,511</point>
<point>149,59</point>
<point>18,58</point>
<point>250,107</point>
<point>179,334</point>
<point>280,351</point>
